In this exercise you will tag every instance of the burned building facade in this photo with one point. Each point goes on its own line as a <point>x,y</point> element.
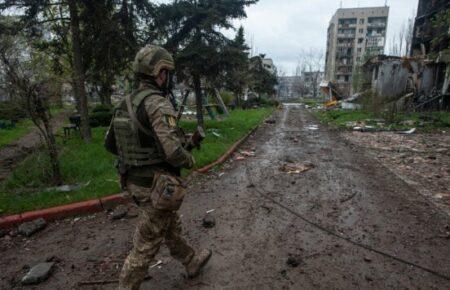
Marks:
<point>429,35</point>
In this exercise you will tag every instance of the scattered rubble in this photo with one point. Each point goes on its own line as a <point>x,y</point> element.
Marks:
<point>312,127</point>
<point>421,160</point>
<point>119,212</point>
<point>38,273</point>
<point>413,130</point>
<point>29,228</point>
<point>248,153</point>
<point>296,168</point>
<point>209,221</point>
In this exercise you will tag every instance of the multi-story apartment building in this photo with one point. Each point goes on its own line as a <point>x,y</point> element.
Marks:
<point>425,31</point>
<point>353,35</point>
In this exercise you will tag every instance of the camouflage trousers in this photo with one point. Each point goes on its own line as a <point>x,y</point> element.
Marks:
<point>154,228</point>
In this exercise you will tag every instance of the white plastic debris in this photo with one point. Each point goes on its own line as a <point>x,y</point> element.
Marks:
<point>413,130</point>
<point>157,264</point>
<point>210,211</point>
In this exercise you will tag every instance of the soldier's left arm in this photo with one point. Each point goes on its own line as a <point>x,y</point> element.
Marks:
<point>162,118</point>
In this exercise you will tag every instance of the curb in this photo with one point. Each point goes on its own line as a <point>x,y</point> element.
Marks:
<point>99,204</point>
<point>65,211</point>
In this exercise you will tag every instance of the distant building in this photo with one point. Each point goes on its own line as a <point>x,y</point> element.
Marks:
<point>269,65</point>
<point>286,87</point>
<point>311,81</point>
<point>307,85</point>
<point>353,34</point>
<point>425,32</point>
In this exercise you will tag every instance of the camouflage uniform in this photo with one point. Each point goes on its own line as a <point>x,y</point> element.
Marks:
<point>150,147</point>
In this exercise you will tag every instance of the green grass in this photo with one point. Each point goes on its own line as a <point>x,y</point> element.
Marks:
<point>424,121</point>
<point>7,136</point>
<point>22,128</point>
<point>91,165</point>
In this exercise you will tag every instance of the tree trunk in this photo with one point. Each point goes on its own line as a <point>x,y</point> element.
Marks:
<point>199,101</point>
<point>105,93</point>
<point>53,153</point>
<point>78,71</point>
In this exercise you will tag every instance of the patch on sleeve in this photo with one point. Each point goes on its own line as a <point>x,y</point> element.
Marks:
<point>171,121</point>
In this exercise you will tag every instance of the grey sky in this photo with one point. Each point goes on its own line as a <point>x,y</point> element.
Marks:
<point>282,28</point>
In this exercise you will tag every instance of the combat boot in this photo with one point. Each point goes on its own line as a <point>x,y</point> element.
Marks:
<point>197,262</point>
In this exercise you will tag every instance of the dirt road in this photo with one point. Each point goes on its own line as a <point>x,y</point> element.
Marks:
<point>12,154</point>
<point>361,211</point>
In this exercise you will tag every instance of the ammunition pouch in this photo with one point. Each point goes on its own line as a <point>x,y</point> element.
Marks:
<point>167,192</point>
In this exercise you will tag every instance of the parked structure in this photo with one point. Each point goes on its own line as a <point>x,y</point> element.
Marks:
<point>352,34</point>
<point>424,30</point>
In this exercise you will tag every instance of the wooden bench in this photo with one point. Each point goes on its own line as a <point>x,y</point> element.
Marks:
<point>74,125</point>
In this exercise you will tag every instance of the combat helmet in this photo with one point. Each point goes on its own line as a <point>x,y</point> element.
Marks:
<point>151,59</point>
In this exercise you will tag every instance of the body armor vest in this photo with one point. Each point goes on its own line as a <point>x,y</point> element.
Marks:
<point>128,130</point>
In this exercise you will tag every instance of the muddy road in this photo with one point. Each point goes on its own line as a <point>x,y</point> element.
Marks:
<point>348,223</point>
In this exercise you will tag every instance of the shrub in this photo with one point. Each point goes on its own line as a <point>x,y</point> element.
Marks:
<point>101,116</point>
<point>227,97</point>
<point>102,108</point>
<point>12,111</point>
<point>100,119</point>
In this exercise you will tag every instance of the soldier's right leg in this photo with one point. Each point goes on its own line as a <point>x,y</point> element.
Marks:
<point>147,240</point>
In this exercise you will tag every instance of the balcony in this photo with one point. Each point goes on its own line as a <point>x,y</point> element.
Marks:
<point>351,44</point>
<point>347,25</point>
<point>346,35</point>
<point>377,24</point>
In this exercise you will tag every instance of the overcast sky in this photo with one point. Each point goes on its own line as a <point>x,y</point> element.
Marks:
<point>282,28</point>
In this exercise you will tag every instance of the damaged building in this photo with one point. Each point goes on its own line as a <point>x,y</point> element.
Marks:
<point>409,83</point>
<point>421,81</point>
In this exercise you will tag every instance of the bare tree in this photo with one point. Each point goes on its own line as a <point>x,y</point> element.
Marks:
<point>401,41</point>
<point>312,63</point>
<point>28,83</point>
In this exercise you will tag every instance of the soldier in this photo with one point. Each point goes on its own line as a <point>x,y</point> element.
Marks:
<point>152,149</point>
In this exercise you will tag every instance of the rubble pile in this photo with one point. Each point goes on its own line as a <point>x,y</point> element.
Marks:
<point>421,160</point>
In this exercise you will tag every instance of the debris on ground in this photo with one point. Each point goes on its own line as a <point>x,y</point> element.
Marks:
<point>210,211</point>
<point>296,168</point>
<point>248,153</point>
<point>69,187</point>
<point>293,262</point>
<point>158,264</point>
<point>38,273</point>
<point>119,212</point>
<point>217,134</point>
<point>209,221</point>
<point>270,121</point>
<point>367,259</point>
<point>29,228</point>
<point>411,131</point>
<point>421,160</point>
<point>312,127</point>
<point>240,158</point>
<point>2,233</point>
